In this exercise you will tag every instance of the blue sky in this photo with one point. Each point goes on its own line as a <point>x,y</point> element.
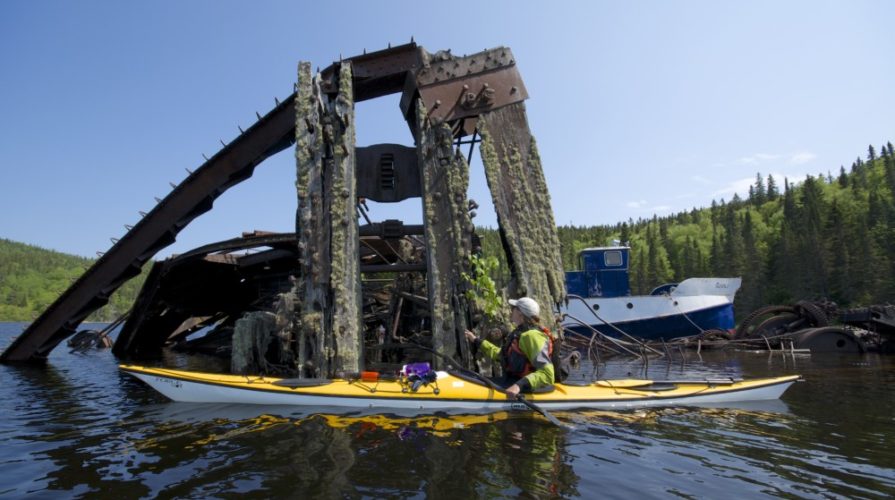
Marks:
<point>638,107</point>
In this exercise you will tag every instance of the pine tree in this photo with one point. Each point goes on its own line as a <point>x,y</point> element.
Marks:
<point>759,193</point>
<point>773,192</point>
<point>811,238</point>
<point>843,177</point>
<point>837,256</point>
<point>753,270</point>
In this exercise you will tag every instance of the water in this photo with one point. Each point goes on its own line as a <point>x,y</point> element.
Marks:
<point>77,427</point>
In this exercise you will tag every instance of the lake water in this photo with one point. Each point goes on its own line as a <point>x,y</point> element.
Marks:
<point>77,427</point>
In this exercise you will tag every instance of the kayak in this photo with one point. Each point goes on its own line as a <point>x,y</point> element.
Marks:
<point>448,391</point>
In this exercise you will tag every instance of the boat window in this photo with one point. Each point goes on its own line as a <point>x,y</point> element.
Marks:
<point>613,259</point>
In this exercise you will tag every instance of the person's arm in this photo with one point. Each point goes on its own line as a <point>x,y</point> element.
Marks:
<point>487,348</point>
<point>535,346</point>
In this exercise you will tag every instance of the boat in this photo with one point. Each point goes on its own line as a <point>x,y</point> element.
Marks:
<point>600,299</point>
<point>447,391</point>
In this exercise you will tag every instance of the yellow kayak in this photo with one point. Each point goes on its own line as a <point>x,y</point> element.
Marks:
<point>448,391</point>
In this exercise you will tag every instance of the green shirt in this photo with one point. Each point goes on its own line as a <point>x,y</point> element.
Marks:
<point>535,344</point>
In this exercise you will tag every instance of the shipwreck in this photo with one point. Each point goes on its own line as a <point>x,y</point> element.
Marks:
<point>333,296</point>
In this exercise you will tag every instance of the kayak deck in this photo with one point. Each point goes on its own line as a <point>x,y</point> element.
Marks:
<point>448,392</point>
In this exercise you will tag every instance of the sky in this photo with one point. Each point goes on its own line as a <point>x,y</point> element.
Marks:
<point>639,108</point>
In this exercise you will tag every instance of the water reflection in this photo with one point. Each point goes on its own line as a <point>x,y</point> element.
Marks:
<point>80,428</point>
<point>333,454</point>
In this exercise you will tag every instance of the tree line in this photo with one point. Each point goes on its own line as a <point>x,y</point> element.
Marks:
<point>824,237</point>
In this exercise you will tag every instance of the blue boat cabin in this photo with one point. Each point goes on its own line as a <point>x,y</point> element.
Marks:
<point>604,273</point>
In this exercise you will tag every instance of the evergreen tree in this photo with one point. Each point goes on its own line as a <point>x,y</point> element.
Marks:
<point>837,256</point>
<point>811,238</point>
<point>843,177</point>
<point>758,192</point>
<point>773,192</point>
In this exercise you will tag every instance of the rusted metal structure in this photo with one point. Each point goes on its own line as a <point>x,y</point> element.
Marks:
<point>317,282</point>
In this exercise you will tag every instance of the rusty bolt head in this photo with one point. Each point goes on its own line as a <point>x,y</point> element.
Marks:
<point>514,89</point>
<point>345,193</point>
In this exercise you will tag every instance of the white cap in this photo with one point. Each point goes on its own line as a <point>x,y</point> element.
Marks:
<point>527,306</point>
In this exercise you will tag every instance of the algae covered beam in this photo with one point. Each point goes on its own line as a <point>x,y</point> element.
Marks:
<point>328,284</point>
<point>448,231</point>
<point>522,202</point>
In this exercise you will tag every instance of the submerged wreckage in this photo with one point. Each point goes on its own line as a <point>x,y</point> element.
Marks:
<point>303,302</point>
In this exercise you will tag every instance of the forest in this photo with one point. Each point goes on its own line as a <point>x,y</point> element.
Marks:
<point>31,278</point>
<point>825,237</point>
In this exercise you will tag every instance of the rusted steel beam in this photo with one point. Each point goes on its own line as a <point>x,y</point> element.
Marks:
<point>459,89</point>
<point>393,268</point>
<point>522,202</point>
<point>391,229</point>
<point>375,74</point>
<point>158,229</point>
<point>448,229</point>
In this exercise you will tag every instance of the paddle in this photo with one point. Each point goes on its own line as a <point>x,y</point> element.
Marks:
<point>519,397</point>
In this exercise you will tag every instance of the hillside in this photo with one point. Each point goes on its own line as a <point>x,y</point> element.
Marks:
<point>31,278</point>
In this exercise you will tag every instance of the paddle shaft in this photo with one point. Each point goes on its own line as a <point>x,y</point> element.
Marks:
<point>519,397</point>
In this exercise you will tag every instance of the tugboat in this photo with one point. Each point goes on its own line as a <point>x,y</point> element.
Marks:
<point>600,299</point>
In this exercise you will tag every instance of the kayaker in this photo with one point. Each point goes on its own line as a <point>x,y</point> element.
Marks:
<point>526,352</point>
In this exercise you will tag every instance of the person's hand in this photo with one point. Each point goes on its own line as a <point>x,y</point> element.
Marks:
<point>470,336</point>
<point>512,391</point>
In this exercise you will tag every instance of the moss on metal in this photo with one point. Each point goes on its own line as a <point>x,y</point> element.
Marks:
<point>252,335</point>
<point>313,236</point>
<point>345,268</point>
<point>448,228</point>
<point>328,285</point>
<point>516,180</point>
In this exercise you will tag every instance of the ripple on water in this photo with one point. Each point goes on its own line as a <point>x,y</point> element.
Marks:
<point>79,428</point>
